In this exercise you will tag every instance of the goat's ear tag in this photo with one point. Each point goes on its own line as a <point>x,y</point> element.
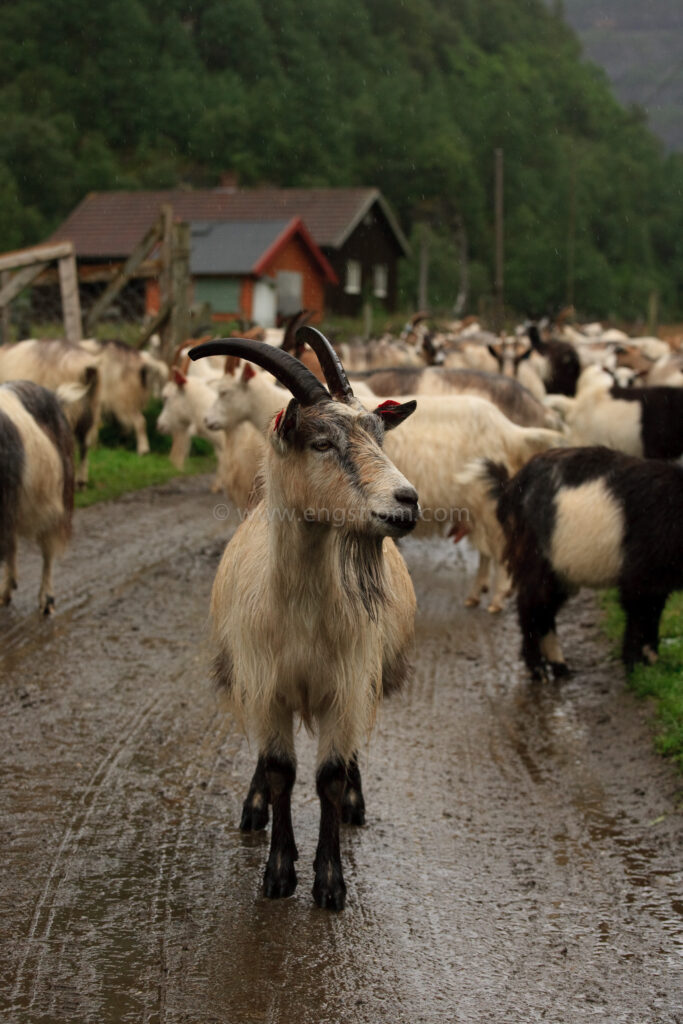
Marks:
<point>287,420</point>
<point>179,378</point>
<point>247,373</point>
<point>392,413</point>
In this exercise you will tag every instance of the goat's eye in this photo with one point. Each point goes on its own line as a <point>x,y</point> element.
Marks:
<point>322,446</point>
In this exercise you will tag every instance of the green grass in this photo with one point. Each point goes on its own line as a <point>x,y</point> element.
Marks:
<point>663,681</point>
<point>115,471</point>
<point>116,468</point>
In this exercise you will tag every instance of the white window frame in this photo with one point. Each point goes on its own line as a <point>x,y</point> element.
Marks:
<point>354,275</point>
<point>380,280</point>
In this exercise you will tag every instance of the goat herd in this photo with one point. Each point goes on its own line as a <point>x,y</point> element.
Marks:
<point>554,455</point>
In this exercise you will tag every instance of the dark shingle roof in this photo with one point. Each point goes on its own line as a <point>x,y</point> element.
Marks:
<point>231,247</point>
<point>110,224</point>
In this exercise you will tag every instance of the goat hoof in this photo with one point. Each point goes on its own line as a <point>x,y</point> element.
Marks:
<point>353,808</point>
<point>494,608</point>
<point>471,602</point>
<point>539,674</point>
<point>49,606</point>
<point>330,893</point>
<point>254,814</point>
<point>560,669</point>
<point>280,880</point>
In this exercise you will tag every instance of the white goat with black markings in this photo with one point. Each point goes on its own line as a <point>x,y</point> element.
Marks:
<point>590,517</point>
<point>36,481</point>
<point>312,605</point>
<point>53,363</point>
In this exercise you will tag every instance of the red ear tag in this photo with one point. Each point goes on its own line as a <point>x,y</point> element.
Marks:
<point>248,372</point>
<point>278,419</point>
<point>179,378</point>
<point>387,406</point>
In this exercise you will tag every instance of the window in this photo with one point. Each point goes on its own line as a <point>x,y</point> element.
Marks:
<point>353,277</point>
<point>380,277</point>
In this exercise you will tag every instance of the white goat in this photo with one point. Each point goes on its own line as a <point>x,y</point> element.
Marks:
<point>312,605</point>
<point>128,380</point>
<point>435,445</point>
<point>37,472</point>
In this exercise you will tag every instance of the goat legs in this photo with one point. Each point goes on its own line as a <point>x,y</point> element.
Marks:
<point>255,806</point>
<point>10,583</point>
<point>329,889</point>
<point>280,877</point>
<point>538,602</point>
<point>353,804</point>
<point>641,637</point>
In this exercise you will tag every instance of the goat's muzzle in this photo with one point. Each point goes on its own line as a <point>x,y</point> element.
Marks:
<point>403,518</point>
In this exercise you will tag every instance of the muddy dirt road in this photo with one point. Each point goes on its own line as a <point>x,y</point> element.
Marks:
<point>521,862</point>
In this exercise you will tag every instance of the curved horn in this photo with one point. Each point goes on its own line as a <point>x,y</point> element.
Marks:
<point>296,377</point>
<point>335,375</point>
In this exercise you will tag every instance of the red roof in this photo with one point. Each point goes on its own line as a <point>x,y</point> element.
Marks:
<point>110,224</point>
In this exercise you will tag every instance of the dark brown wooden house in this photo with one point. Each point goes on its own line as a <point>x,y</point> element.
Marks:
<point>354,228</point>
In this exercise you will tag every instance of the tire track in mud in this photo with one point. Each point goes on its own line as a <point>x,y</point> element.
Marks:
<point>43,917</point>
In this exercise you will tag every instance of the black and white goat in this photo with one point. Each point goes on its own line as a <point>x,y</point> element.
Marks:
<point>312,605</point>
<point>590,517</point>
<point>647,422</point>
<point>36,481</point>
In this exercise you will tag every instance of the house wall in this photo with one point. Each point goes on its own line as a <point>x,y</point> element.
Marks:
<point>371,243</point>
<point>295,256</point>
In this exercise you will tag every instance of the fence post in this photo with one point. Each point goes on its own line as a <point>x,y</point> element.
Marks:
<point>6,313</point>
<point>180,284</point>
<point>71,303</point>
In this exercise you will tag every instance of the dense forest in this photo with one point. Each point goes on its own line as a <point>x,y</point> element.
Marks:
<point>411,96</point>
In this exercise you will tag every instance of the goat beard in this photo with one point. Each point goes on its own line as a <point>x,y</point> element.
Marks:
<point>362,570</point>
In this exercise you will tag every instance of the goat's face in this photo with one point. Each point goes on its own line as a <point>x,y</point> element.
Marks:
<point>233,405</point>
<point>175,414</point>
<point>328,467</point>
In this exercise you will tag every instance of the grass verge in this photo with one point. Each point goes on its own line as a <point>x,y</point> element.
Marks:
<point>663,681</point>
<point>116,468</point>
<point>115,471</point>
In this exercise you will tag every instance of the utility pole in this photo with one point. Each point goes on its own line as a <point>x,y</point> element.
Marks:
<point>499,282</point>
<point>571,229</point>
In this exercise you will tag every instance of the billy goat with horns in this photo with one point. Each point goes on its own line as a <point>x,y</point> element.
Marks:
<point>312,606</point>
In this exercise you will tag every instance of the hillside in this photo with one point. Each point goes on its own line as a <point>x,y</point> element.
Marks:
<point>640,45</point>
<point>412,98</point>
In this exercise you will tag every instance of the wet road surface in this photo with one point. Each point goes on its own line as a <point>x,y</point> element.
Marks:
<point>521,861</point>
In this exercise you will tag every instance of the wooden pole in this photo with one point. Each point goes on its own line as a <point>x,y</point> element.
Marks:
<point>571,230</point>
<point>499,282</point>
<point>423,279</point>
<point>71,304</point>
<point>6,313</point>
<point>180,285</point>
<point>165,283</point>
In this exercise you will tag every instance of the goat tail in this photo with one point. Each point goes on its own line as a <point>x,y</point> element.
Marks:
<point>494,476</point>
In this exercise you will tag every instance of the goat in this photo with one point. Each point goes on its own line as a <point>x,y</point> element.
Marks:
<point>128,377</point>
<point>511,397</point>
<point>37,471</point>
<point>519,363</point>
<point>312,605</point>
<point>562,364</point>
<point>445,434</point>
<point>52,363</point>
<point>590,517</point>
<point>238,450</point>
<point>647,421</point>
